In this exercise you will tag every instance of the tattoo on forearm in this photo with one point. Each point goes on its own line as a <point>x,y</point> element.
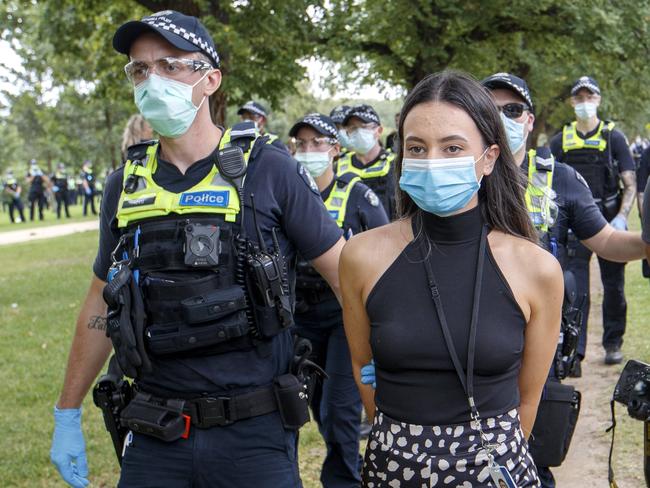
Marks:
<point>97,322</point>
<point>629,192</point>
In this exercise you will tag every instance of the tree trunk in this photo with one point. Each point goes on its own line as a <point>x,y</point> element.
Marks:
<point>218,104</point>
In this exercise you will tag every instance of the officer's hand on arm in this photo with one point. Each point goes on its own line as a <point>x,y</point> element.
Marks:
<point>327,264</point>
<point>89,351</point>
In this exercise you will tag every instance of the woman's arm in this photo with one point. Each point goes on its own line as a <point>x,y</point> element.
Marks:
<point>355,318</point>
<point>546,293</point>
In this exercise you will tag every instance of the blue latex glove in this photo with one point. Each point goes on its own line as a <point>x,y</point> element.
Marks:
<point>368,374</point>
<point>619,222</point>
<point>68,451</point>
<point>88,191</point>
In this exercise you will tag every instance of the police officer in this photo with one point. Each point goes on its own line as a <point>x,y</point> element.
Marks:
<point>257,113</point>
<point>60,189</point>
<point>12,191</point>
<point>336,403</point>
<point>557,197</point>
<point>367,159</point>
<point>36,196</point>
<point>88,182</point>
<point>600,153</point>
<point>198,235</point>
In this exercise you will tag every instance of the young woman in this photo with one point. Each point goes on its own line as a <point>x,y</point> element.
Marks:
<point>456,303</point>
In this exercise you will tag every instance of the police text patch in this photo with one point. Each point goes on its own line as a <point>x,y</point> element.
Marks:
<point>206,198</point>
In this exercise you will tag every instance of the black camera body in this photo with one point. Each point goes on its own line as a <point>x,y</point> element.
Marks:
<point>633,390</point>
<point>202,246</point>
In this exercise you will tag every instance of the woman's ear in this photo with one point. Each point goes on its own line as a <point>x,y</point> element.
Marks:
<point>490,159</point>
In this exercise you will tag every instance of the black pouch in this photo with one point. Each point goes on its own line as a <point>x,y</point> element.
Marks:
<point>164,421</point>
<point>213,305</point>
<point>645,268</point>
<point>292,401</point>
<point>610,206</point>
<point>556,420</point>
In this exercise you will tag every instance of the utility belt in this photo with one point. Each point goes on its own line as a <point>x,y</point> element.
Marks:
<point>126,407</point>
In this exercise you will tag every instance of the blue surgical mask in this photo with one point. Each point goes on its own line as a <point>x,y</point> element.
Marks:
<point>363,140</point>
<point>586,110</point>
<point>515,133</point>
<point>440,186</point>
<point>316,162</point>
<point>167,104</point>
<point>344,139</point>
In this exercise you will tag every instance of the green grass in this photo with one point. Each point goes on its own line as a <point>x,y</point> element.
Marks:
<point>47,280</point>
<point>76,212</point>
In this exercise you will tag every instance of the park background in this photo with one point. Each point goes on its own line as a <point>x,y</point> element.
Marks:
<point>68,100</point>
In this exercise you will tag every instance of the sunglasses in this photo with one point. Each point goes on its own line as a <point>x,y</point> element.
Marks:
<point>513,110</point>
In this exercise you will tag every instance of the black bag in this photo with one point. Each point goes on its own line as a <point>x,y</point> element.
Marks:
<point>555,423</point>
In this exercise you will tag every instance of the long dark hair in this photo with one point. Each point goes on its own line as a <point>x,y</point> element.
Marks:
<point>502,193</point>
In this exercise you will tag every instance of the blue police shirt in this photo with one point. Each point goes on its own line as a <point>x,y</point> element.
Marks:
<point>286,199</point>
<point>643,171</point>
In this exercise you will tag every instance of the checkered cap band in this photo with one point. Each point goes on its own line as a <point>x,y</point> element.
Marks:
<point>586,82</point>
<point>322,125</point>
<point>185,34</point>
<point>364,112</point>
<point>513,82</point>
<point>253,108</point>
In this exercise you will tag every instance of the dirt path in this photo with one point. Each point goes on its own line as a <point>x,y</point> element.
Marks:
<point>28,235</point>
<point>586,463</point>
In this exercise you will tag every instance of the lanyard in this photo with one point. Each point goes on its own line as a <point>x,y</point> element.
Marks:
<point>467,380</point>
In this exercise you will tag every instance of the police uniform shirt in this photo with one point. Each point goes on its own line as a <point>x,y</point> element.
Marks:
<point>577,209</point>
<point>620,149</point>
<point>36,187</point>
<point>287,198</point>
<point>90,178</point>
<point>60,180</point>
<point>386,193</point>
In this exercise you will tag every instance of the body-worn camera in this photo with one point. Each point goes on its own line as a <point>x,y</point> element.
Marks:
<point>202,245</point>
<point>633,389</point>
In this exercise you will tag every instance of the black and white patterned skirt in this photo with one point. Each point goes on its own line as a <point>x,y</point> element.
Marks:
<point>401,455</point>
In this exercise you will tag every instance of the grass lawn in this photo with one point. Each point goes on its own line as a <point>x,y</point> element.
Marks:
<point>41,287</point>
<point>76,212</point>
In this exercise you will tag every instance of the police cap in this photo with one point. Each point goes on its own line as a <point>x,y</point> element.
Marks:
<point>320,123</point>
<point>182,31</point>
<point>254,108</point>
<point>363,112</point>
<point>338,113</point>
<point>509,82</point>
<point>585,82</point>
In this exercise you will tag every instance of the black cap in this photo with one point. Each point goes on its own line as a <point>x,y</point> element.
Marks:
<point>509,82</point>
<point>338,113</point>
<point>363,112</point>
<point>182,31</point>
<point>585,82</point>
<point>320,123</point>
<point>254,108</point>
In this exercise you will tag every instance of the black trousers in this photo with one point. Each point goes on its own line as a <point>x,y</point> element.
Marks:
<point>16,204</point>
<point>61,201</point>
<point>614,307</point>
<point>89,200</point>
<point>36,199</point>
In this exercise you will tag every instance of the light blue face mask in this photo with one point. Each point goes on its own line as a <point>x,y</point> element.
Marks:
<point>316,162</point>
<point>440,186</point>
<point>514,132</point>
<point>167,104</point>
<point>362,140</point>
<point>586,110</point>
<point>343,138</point>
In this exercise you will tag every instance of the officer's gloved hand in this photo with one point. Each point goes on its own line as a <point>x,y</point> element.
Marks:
<point>619,222</point>
<point>368,374</point>
<point>68,451</point>
<point>88,192</point>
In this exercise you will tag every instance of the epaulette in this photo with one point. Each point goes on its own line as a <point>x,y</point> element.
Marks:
<point>544,160</point>
<point>345,179</point>
<point>137,152</point>
<point>243,134</point>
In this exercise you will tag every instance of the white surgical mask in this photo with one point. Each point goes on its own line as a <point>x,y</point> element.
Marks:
<point>586,110</point>
<point>316,162</point>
